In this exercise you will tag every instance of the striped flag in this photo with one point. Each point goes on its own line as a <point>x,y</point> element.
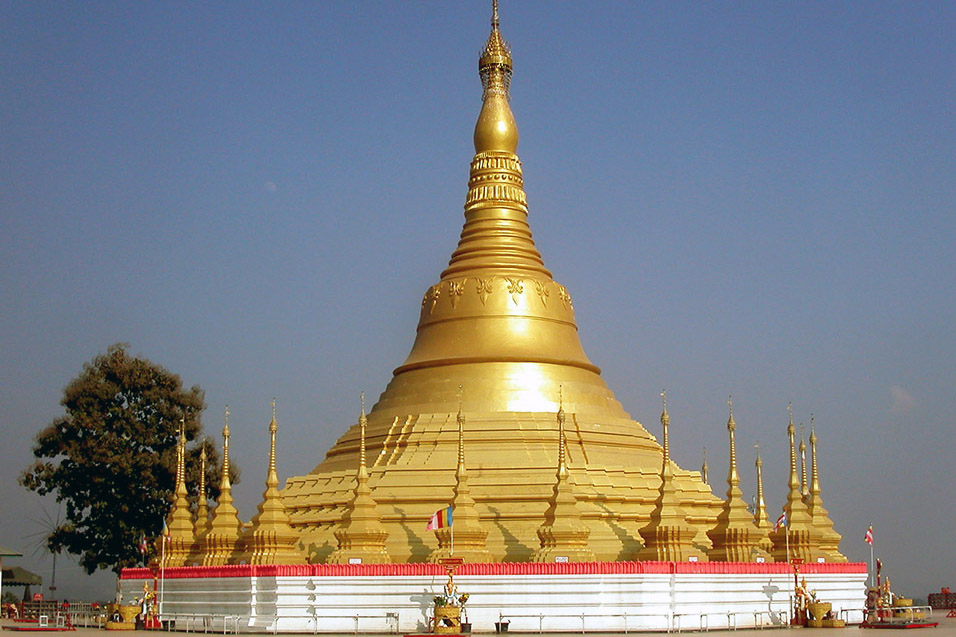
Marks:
<point>781,521</point>
<point>440,519</point>
<point>868,538</point>
<point>143,547</point>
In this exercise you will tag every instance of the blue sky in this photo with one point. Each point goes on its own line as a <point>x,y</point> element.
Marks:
<point>753,199</point>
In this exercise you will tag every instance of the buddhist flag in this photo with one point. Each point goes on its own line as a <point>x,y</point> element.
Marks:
<point>781,521</point>
<point>868,538</point>
<point>440,519</point>
<point>166,536</point>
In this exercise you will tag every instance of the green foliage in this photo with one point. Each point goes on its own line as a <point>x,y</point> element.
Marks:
<point>112,458</point>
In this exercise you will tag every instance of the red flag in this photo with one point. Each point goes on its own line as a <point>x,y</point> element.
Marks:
<point>781,521</point>
<point>868,538</point>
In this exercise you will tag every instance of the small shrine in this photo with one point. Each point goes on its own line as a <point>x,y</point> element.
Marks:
<point>450,616</point>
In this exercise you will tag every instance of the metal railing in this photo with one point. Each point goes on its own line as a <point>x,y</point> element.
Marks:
<point>583,617</point>
<point>205,622</point>
<point>775,618</point>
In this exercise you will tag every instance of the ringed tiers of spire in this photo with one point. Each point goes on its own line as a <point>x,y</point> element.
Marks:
<point>555,467</point>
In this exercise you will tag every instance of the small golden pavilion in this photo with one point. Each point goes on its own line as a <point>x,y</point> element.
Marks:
<point>498,413</point>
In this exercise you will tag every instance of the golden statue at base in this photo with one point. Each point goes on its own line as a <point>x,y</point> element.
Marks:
<point>450,616</point>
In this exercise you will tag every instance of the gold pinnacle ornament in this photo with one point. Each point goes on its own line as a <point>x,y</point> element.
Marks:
<point>361,536</point>
<point>271,539</point>
<point>201,518</point>
<point>669,537</point>
<point>221,542</point>
<point>735,536</point>
<point>465,539</point>
<point>825,539</point>
<point>180,537</point>
<point>761,520</point>
<point>563,536</point>
<point>793,540</point>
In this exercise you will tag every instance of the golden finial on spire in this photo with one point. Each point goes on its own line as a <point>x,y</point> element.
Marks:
<point>272,478</point>
<point>760,510</point>
<point>794,482</point>
<point>814,476</point>
<point>202,471</point>
<point>665,422</point>
<point>703,468</point>
<point>732,476</point>
<point>225,452</point>
<point>731,425</point>
<point>363,423</point>
<point>803,462</point>
<point>496,55</point>
<point>181,454</point>
<point>496,129</point>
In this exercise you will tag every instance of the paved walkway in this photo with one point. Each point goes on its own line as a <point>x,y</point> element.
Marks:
<point>946,628</point>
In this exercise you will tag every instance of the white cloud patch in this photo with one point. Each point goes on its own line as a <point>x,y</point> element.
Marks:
<point>902,400</point>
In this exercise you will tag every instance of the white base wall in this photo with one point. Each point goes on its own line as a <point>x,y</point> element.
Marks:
<point>574,602</point>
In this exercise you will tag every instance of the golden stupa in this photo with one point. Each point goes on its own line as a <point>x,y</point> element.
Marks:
<point>475,414</point>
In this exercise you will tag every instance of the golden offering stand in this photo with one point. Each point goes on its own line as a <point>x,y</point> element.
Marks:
<point>121,617</point>
<point>807,609</point>
<point>449,606</point>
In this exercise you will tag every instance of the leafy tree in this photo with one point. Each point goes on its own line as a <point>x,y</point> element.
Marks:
<point>112,458</point>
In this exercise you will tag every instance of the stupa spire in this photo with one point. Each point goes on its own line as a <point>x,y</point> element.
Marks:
<point>223,538</point>
<point>803,465</point>
<point>201,518</point>
<point>179,523</point>
<point>825,539</point>
<point>733,479</point>
<point>271,539</point>
<point>564,535</point>
<point>469,536</point>
<point>668,537</point>
<point>735,536</point>
<point>761,519</point>
<point>361,536</point>
<point>798,517</point>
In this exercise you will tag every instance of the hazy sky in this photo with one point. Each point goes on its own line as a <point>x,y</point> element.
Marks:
<point>746,198</point>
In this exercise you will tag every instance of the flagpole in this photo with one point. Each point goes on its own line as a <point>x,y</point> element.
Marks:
<point>786,534</point>
<point>872,568</point>
<point>162,576</point>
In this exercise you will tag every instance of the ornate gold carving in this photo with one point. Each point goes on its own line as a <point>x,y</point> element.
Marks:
<point>515,288</point>
<point>455,290</point>
<point>565,296</point>
<point>484,288</point>
<point>543,292</point>
<point>432,296</point>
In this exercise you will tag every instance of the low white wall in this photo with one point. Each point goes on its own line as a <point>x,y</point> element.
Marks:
<point>591,602</point>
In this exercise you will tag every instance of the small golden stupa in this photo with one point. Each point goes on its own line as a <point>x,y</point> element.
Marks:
<point>499,414</point>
